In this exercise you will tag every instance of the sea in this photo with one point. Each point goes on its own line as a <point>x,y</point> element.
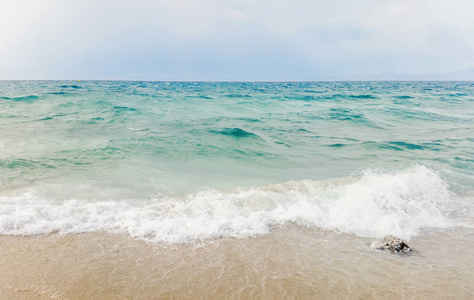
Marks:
<point>137,189</point>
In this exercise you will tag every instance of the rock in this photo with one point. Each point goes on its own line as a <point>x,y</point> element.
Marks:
<point>391,243</point>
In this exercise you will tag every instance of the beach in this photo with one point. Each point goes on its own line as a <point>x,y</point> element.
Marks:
<point>290,263</point>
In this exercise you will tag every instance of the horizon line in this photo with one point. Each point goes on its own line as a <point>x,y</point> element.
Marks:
<point>288,80</point>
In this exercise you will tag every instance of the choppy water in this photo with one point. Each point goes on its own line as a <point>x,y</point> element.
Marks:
<point>180,162</point>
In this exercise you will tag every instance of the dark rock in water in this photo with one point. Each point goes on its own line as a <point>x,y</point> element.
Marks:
<point>391,243</point>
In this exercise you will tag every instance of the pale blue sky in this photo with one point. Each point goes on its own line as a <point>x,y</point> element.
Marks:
<point>232,40</point>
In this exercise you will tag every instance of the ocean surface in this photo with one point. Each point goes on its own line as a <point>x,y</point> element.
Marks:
<point>245,190</point>
<point>187,162</point>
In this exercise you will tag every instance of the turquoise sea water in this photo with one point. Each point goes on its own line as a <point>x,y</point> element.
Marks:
<point>184,161</point>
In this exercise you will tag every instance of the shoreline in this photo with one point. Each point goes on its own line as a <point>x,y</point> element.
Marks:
<point>291,262</point>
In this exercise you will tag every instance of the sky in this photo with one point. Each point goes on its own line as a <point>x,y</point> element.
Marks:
<point>232,39</point>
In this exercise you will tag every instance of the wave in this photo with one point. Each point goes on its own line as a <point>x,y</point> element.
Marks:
<point>314,91</point>
<point>26,98</point>
<point>72,86</point>
<point>403,97</point>
<point>396,145</point>
<point>59,93</point>
<point>362,96</point>
<point>348,115</point>
<point>235,132</point>
<point>200,97</point>
<point>236,95</point>
<point>373,205</point>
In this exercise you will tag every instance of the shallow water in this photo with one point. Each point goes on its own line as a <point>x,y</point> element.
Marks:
<point>292,262</point>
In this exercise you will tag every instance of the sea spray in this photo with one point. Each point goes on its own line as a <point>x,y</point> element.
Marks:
<point>373,205</point>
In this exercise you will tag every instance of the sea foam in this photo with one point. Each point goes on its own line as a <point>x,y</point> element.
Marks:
<point>372,205</point>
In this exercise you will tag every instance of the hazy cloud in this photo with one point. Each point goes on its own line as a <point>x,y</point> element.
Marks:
<point>231,40</point>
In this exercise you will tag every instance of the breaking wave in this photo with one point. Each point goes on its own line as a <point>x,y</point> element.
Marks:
<point>372,205</point>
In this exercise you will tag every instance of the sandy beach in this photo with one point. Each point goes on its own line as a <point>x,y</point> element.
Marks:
<point>294,263</point>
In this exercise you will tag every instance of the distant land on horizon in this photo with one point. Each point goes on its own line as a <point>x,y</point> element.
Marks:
<point>461,75</point>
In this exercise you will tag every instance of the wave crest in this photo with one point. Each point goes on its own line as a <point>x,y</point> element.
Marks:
<point>373,205</point>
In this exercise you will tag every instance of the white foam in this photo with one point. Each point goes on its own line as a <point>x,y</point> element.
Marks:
<point>373,205</point>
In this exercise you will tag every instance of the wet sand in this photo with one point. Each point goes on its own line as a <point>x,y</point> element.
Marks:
<point>290,263</point>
